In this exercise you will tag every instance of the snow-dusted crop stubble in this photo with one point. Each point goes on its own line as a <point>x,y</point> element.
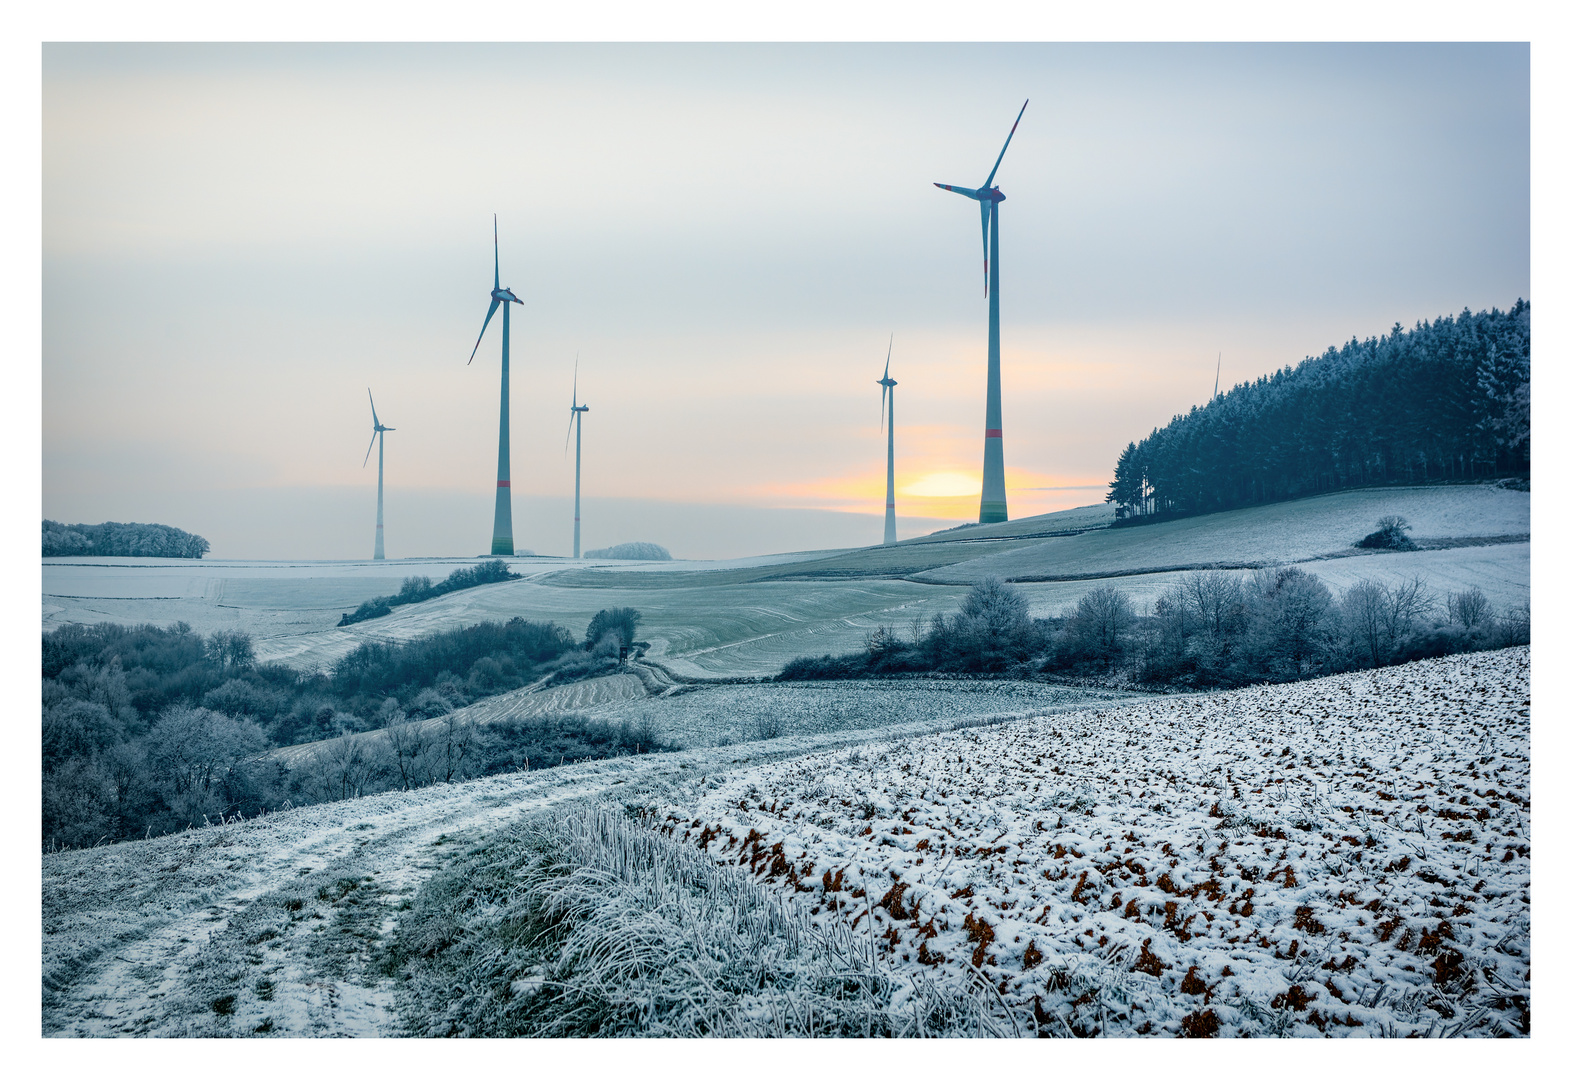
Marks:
<point>1347,856</point>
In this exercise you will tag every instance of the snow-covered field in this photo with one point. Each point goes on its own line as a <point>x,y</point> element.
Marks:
<point>746,617</point>
<point>698,715</point>
<point>1347,856</point>
<point>1281,532</point>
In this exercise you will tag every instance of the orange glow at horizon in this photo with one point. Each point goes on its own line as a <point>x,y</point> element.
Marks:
<point>946,493</point>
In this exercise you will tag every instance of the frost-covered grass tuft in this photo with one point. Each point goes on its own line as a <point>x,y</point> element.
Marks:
<point>591,924</point>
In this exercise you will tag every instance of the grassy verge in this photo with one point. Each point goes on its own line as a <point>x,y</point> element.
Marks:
<point>589,924</point>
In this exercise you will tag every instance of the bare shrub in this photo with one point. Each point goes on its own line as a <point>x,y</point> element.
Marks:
<point>1470,609</point>
<point>1102,618</point>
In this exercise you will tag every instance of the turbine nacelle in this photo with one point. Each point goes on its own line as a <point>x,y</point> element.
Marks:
<point>988,196</point>
<point>984,194</point>
<point>499,295</point>
<point>575,411</point>
<point>377,427</point>
<point>887,383</point>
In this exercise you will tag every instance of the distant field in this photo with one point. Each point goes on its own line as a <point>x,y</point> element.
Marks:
<point>749,616</point>
<point>721,715</point>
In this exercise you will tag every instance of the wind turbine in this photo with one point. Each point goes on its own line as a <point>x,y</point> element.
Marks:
<point>887,387</point>
<point>502,526</point>
<point>377,428</point>
<point>576,414</point>
<point>993,500</point>
<point>1217,378</point>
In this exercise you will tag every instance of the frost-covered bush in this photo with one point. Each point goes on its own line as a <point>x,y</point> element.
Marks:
<point>1391,534</point>
<point>620,621</point>
<point>244,697</point>
<point>1470,608</point>
<point>638,549</point>
<point>418,588</point>
<point>1211,628</point>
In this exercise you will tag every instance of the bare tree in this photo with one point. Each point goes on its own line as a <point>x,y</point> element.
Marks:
<point>1175,622</point>
<point>1102,618</point>
<point>996,618</point>
<point>191,752</point>
<point>454,739</point>
<point>1217,599</point>
<point>1365,620</point>
<point>411,745</point>
<point>1470,609</point>
<point>1408,602</point>
<point>354,765</point>
<point>1291,610</point>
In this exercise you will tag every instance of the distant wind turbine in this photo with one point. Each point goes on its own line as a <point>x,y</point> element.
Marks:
<point>502,526</point>
<point>576,415</point>
<point>887,386</point>
<point>1218,376</point>
<point>377,428</point>
<point>993,507</point>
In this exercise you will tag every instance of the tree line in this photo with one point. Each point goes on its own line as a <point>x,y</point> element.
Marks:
<point>124,539</point>
<point>1211,629</point>
<point>1447,400</point>
<point>155,728</point>
<point>419,587</point>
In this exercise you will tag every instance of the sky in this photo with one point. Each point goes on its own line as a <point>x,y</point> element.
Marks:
<point>239,240</point>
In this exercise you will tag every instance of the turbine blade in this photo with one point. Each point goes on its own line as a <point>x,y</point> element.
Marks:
<point>573,414</point>
<point>968,192</point>
<point>368,449</point>
<point>492,310</point>
<point>575,380</point>
<point>985,205</point>
<point>1218,376</point>
<point>989,182</point>
<point>884,388</point>
<point>496,259</point>
<point>375,423</point>
<point>887,352</point>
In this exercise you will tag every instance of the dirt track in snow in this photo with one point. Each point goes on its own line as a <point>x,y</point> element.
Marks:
<point>287,916</point>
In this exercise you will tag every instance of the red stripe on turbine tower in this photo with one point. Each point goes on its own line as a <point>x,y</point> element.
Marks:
<point>994,433</point>
<point>504,483</point>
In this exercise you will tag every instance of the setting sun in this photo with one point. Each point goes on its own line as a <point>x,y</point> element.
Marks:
<point>944,484</point>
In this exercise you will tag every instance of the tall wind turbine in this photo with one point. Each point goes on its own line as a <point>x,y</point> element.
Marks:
<point>502,526</point>
<point>576,415</point>
<point>377,428</point>
<point>887,385</point>
<point>993,501</point>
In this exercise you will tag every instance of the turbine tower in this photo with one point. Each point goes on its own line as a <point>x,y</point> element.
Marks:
<point>502,526</point>
<point>377,428</point>
<point>576,414</point>
<point>993,500</point>
<point>888,388</point>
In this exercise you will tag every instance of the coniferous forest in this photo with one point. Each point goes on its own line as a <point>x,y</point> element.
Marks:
<point>1446,400</point>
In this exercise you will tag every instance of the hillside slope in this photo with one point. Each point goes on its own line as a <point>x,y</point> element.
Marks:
<point>747,617</point>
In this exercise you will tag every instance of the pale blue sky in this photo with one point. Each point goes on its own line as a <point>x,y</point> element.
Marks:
<point>727,235</point>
